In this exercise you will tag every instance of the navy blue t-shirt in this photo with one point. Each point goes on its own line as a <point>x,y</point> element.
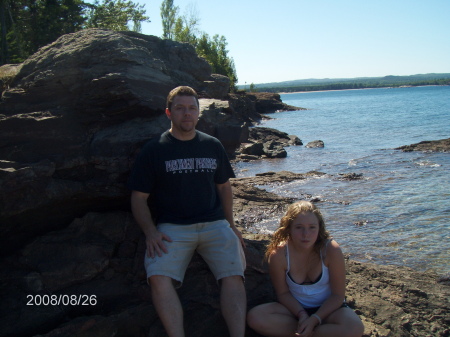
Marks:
<point>181,177</point>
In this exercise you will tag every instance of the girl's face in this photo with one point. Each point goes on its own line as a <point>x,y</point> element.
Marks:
<point>304,229</point>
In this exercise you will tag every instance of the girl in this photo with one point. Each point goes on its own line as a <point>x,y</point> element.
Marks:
<point>307,269</point>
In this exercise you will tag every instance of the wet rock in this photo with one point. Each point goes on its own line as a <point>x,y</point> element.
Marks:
<point>315,144</point>
<point>442,145</point>
<point>350,176</point>
<point>269,134</point>
<point>274,149</point>
<point>267,143</point>
<point>253,149</point>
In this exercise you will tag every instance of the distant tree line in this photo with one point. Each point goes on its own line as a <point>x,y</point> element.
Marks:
<point>184,28</point>
<point>27,25</point>
<point>366,84</point>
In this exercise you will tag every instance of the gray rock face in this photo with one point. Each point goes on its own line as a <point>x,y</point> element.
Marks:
<point>219,87</point>
<point>75,115</point>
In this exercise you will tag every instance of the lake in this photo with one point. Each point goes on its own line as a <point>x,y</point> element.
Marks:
<point>399,212</point>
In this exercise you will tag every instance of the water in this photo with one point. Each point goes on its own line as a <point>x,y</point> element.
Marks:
<point>399,212</point>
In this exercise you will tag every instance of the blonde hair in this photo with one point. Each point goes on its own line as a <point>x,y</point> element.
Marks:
<point>282,234</point>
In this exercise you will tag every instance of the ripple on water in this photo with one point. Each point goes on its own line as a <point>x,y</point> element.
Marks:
<point>394,216</point>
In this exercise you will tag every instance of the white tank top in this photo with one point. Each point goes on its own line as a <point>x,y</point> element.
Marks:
<point>310,295</point>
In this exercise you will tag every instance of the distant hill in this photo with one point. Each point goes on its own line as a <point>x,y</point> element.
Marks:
<point>352,83</point>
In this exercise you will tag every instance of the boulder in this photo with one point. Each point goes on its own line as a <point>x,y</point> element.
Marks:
<point>219,119</point>
<point>253,149</point>
<point>315,144</point>
<point>7,74</point>
<point>217,88</point>
<point>274,149</point>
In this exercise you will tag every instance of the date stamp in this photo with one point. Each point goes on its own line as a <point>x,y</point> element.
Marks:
<point>61,299</point>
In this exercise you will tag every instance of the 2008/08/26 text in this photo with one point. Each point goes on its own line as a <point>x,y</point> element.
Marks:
<point>61,299</point>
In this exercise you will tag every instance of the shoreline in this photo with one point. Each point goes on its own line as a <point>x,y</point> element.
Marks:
<point>415,256</point>
<point>399,87</point>
<point>249,219</point>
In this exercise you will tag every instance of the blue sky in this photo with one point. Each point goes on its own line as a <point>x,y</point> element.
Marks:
<point>274,41</point>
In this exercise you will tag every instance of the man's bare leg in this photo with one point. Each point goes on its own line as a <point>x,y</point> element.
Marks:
<point>233,302</point>
<point>167,304</point>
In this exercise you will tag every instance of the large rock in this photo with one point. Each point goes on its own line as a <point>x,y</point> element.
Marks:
<point>76,113</point>
<point>218,118</point>
<point>266,103</point>
<point>219,87</point>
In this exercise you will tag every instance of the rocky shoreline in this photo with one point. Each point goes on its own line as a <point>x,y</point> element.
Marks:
<point>100,256</point>
<point>71,254</point>
<point>442,145</point>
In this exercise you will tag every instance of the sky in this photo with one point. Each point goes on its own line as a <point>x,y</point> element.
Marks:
<point>282,40</point>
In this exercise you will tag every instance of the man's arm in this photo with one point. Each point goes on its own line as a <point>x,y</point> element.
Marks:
<point>141,212</point>
<point>226,197</point>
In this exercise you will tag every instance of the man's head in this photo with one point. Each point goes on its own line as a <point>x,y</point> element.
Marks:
<point>183,112</point>
<point>180,91</point>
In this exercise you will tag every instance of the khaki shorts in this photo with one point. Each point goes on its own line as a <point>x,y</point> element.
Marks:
<point>214,241</point>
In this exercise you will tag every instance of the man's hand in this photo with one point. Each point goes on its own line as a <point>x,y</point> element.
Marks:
<point>239,235</point>
<point>154,241</point>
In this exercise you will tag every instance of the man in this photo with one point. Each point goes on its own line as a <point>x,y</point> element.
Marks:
<point>187,174</point>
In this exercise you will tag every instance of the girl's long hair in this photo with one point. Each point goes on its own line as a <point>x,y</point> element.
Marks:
<point>282,234</point>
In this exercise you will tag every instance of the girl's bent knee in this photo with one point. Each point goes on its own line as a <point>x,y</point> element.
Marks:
<point>254,319</point>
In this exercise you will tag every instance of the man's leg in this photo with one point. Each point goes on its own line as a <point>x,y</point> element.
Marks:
<point>167,304</point>
<point>233,302</point>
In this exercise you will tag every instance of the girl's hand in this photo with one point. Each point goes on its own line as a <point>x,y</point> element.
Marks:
<point>302,317</point>
<point>306,327</point>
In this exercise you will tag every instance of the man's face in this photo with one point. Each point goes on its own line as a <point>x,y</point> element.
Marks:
<point>184,115</point>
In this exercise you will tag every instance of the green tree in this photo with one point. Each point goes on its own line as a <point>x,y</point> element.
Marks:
<point>27,25</point>
<point>185,29</point>
<point>169,14</point>
<point>116,15</point>
<point>4,11</point>
<point>30,24</point>
<point>214,50</point>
